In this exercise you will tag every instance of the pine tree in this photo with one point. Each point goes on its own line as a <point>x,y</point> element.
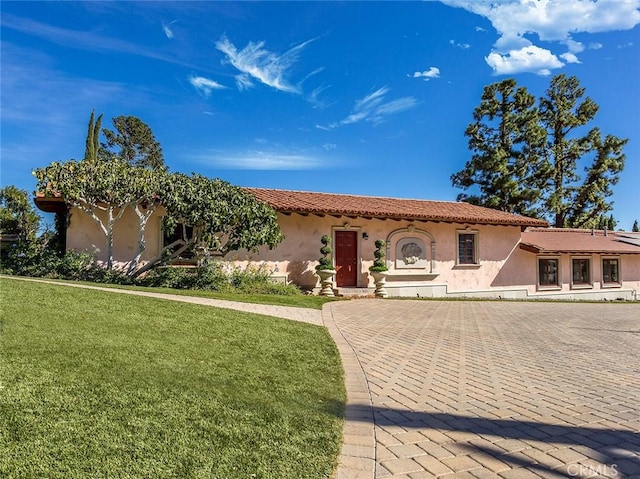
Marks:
<point>134,142</point>
<point>570,202</point>
<point>525,158</point>
<point>635,228</point>
<point>506,140</point>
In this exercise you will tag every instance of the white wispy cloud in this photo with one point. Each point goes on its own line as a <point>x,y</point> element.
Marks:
<point>575,47</point>
<point>463,46</point>
<point>570,57</point>
<point>432,72</point>
<point>167,31</point>
<point>314,96</point>
<point>393,107</point>
<point>552,21</point>
<point>205,86</point>
<point>258,160</point>
<point>373,108</point>
<point>243,82</point>
<point>255,61</point>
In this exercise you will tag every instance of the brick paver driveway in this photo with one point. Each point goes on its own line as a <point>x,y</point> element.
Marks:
<point>495,389</point>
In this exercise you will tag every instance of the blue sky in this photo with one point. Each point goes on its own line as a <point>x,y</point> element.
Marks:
<point>349,97</point>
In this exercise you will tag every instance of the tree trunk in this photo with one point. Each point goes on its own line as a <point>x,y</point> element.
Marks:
<point>142,224</point>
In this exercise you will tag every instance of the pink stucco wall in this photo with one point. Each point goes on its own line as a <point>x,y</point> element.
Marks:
<point>521,270</point>
<point>83,234</point>
<point>504,269</point>
<point>297,255</point>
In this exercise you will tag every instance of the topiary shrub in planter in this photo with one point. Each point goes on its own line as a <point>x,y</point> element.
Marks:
<point>325,262</point>
<point>379,269</point>
<point>379,264</point>
<point>325,269</point>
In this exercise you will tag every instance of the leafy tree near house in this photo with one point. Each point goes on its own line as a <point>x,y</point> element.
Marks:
<point>562,112</point>
<point>104,190</point>
<point>132,141</point>
<point>17,215</point>
<point>552,187</point>
<point>107,183</point>
<point>221,218</point>
<point>506,141</point>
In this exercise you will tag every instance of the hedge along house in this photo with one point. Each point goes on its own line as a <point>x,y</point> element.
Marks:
<point>433,248</point>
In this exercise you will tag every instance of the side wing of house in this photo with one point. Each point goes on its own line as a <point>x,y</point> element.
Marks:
<point>575,264</point>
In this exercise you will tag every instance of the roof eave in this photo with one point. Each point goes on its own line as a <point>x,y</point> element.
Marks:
<point>50,204</point>
<point>443,219</point>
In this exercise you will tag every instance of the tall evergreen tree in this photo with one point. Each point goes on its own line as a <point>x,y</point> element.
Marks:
<point>506,140</point>
<point>569,201</point>
<point>132,141</point>
<point>93,137</point>
<point>605,222</point>
<point>525,158</point>
<point>635,228</point>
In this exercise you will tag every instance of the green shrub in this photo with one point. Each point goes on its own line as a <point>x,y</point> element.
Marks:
<point>379,265</point>
<point>249,278</point>
<point>325,263</point>
<point>98,274</point>
<point>37,259</point>
<point>74,265</point>
<point>210,276</point>
<point>166,277</point>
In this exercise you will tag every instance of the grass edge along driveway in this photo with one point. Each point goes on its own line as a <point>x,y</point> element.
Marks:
<point>97,385</point>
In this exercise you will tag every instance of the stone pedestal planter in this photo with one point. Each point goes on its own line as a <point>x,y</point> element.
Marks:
<point>326,281</point>
<point>380,279</point>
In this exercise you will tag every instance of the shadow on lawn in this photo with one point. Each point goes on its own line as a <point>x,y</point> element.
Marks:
<point>616,449</point>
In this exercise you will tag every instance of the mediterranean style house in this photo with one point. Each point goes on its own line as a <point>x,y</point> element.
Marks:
<point>433,248</point>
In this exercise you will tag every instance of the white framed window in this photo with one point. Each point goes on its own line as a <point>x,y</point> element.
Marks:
<point>549,273</point>
<point>611,277</point>
<point>581,272</point>
<point>467,244</point>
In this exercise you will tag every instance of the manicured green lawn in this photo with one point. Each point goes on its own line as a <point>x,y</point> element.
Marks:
<point>97,385</point>
<point>297,301</point>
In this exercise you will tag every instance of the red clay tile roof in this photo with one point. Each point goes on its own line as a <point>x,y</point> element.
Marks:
<point>563,240</point>
<point>306,202</point>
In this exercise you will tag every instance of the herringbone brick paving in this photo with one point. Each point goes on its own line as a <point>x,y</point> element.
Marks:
<point>497,389</point>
